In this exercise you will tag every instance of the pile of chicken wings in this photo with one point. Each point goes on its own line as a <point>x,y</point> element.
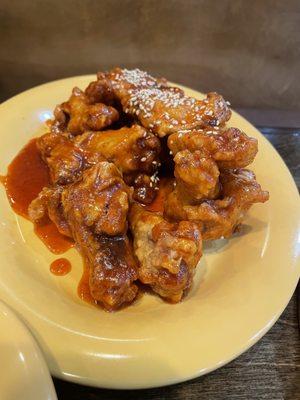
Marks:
<point>108,148</point>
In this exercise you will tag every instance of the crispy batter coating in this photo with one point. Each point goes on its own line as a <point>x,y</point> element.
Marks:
<point>100,199</point>
<point>78,115</point>
<point>48,204</point>
<point>133,150</point>
<point>230,148</point>
<point>96,210</point>
<point>219,218</point>
<point>162,108</point>
<point>197,175</point>
<point>66,163</point>
<point>167,252</point>
<point>130,149</point>
<point>100,91</point>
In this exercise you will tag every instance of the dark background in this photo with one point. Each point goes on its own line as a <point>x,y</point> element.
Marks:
<point>247,50</point>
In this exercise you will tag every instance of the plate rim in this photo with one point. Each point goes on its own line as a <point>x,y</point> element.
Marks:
<point>249,344</point>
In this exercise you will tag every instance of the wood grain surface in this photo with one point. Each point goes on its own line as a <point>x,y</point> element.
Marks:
<point>269,370</point>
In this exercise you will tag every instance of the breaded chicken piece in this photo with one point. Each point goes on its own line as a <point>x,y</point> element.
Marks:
<point>167,252</point>
<point>230,148</point>
<point>133,150</point>
<point>79,114</point>
<point>96,210</point>
<point>48,204</point>
<point>219,218</point>
<point>159,107</point>
<point>197,175</point>
<point>130,149</point>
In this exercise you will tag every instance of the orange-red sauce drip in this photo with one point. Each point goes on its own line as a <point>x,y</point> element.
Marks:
<point>83,288</point>
<point>165,187</point>
<point>55,241</point>
<point>26,175</point>
<point>60,267</point>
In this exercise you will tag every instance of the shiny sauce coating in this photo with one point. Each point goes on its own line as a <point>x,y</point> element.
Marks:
<point>166,185</point>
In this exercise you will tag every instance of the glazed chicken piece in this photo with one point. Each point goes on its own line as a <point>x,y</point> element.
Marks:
<point>48,205</point>
<point>130,149</point>
<point>219,218</point>
<point>159,107</point>
<point>66,163</point>
<point>230,148</point>
<point>65,159</point>
<point>197,175</point>
<point>167,252</point>
<point>133,150</point>
<point>79,114</point>
<point>96,210</point>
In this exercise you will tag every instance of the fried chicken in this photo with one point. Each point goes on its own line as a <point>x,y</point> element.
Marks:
<point>133,150</point>
<point>159,107</point>
<point>79,114</point>
<point>197,175</point>
<point>96,210</point>
<point>220,218</point>
<point>230,148</point>
<point>48,205</point>
<point>107,149</point>
<point>130,149</point>
<point>167,252</point>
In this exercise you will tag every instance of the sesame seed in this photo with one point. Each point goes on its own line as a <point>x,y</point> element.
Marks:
<point>143,159</point>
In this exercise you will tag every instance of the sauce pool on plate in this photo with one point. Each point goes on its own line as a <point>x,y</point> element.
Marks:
<point>26,175</point>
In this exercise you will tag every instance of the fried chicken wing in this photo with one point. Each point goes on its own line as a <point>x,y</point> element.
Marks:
<point>167,252</point>
<point>48,205</point>
<point>197,175</point>
<point>130,149</point>
<point>159,107</point>
<point>78,115</point>
<point>100,91</point>
<point>230,148</point>
<point>65,160</point>
<point>133,150</point>
<point>219,218</point>
<point>96,210</point>
<point>100,199</point>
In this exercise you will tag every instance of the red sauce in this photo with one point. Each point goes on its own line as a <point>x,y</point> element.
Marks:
<point>26,175</point>
<point>165,187</point>
<point>50,236</point>
<point>83,288</point>
<point>60,267</point>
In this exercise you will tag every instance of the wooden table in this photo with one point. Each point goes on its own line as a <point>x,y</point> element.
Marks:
<point>269,370</point>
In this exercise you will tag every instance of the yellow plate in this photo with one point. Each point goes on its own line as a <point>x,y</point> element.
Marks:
<point>241,287</point>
